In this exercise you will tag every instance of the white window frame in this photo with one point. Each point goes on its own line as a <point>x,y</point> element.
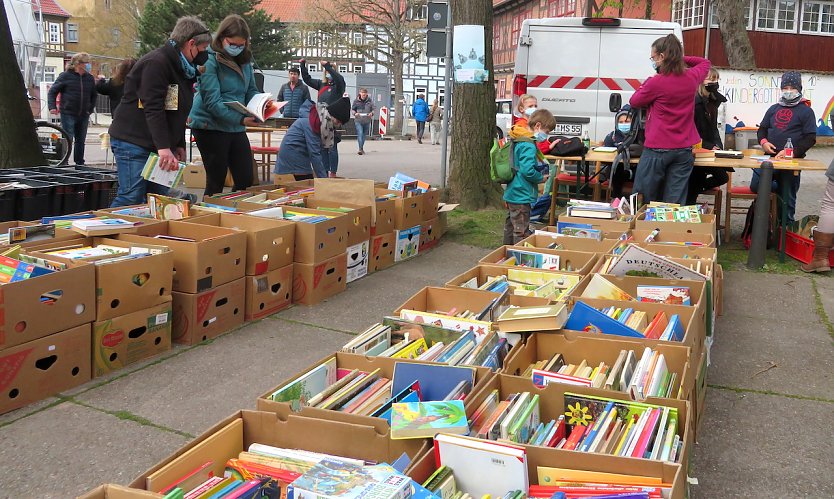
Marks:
<point>357,69</point>
<point>343,68</point>
<point>761,3</point>
<point>49,73</point>
<point>689,14</point>
<point>751,13</point>
<point>312,68</point>
<point>72,32</point>
<point>54,31</point>
<point>817,32</point>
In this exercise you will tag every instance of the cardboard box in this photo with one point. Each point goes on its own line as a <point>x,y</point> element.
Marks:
<point>235,434</point>
<point>209,257</point>
<point>313,283</point>
<point>601,348</point>
<point>386,212</point>
<point>680,251</point>
<point>202,316</point>
<point>606,226</point>
<point>268,293</point>
<point>552,405</point>
<point>707,225</point>
<point>359,218</point>
<point>408,244</point>
<point>482,272</point>
<point>575,262</point>
<point>351,361</point>
<point>542,240</point>
<point>37,307</point>
<point>111,491</point>
<point>408,212</point>
<point>429,237</point>
<point>431,200</point>
<point>124,340</point>
<point>358,259</point>
<point>126,286</point>
<point>315,243</point>
<point>674,237</point>
<point>442,224</point>
<point>194,176</point>
<point>718,287</point>
<point>43,367</point>
<point>697,398</point>
<point>60,234</point>
<point>382,252</point>
<point>270,243</point>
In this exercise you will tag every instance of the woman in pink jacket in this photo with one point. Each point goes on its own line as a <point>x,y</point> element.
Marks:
<point>669,98</point>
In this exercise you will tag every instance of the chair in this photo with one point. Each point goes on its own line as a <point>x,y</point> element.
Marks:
<point>717,203</point>
<point>568,180</point>
<point>263,158</point>
<point>745,193</point>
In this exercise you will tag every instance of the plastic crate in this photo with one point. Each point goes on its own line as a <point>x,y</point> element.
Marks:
<point>8,203</point>
<point>802,249</point>
<point>71,190</point>
<point>37,201</point>
<point>102,188</point>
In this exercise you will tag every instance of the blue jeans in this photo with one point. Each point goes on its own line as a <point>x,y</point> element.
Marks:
<point>330,158</point>
<point>361,130</point>
<point>663,175</point>
<point>779,178</point>
<point>76,127</point>
<point>130,160</point>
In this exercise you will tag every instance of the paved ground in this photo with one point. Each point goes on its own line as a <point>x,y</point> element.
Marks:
<point>766,432</point>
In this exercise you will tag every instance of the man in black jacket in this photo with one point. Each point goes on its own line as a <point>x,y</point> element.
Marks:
<point>294,93</point>
<point>77,89</point>
<point>331,88</point>
<point>152,116</point>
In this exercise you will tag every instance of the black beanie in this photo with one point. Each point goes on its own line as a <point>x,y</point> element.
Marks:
<point>340,110</point>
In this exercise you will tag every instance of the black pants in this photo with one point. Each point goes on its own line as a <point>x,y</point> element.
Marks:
<point>421,129</point>
<point>222,152</point>
<point>703,179</point>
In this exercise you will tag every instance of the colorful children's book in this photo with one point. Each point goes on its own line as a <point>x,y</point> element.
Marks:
<point>602,288</point>
<point>305,387</point>
<point>670,295</point>
<point>426,419</point>
<point>578,230</point>
<point>152,172</point>
<point>12,270</point>
<point>332,478</point>
<point>583,317</point>
<point>168,208</point>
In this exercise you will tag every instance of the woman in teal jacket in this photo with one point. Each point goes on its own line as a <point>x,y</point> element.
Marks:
<point>219,130</point>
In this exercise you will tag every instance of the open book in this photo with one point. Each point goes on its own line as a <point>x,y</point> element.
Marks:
<point>261,106</point>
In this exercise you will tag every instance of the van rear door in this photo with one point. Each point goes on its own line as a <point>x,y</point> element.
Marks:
<point>562,71</point>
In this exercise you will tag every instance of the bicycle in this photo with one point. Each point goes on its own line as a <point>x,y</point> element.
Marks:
<point>55,142</point>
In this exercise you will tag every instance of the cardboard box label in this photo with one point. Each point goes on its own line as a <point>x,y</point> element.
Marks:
<point>161,319</point>
<point>357,261</point>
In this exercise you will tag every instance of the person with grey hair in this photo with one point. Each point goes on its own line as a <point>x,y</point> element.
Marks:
<point>77,89</point>
<point>152,117</point>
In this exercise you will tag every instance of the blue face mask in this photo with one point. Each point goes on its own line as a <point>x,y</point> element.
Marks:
<point>529,111</point>
<point>624,127</point>
<point>88,67</point>
<point>540,136</point>
<point>233,50</point>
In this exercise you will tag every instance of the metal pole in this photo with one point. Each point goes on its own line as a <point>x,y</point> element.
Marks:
<point>447,97</point>
<point>758,239</point>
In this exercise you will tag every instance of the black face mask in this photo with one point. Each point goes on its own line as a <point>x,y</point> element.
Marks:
<point>201,58</point>
<point>711,87</point>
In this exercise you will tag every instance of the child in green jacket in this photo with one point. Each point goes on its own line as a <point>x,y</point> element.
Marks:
<point>523,189</point>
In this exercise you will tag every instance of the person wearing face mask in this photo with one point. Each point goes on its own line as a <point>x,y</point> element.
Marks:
<point>790,118</point>
<point>77,89</point>
<point>331,89</point>
<point>666,161</point>
<point>154,110</point>
<point>527,105</point>
<point>522,190</point>
<point>308,137</point>
<point>219,130</point>
<point>707,101</point>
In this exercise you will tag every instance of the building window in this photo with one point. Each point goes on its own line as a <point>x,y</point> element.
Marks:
<point>116,33</point>
<point>357,39</point>
<point>776,15</point>
<point>312,68</point>
<point>518,19</point>
<point>561,8</point>
<point>418,12</point>
<point>818,18</point>
<point>748,16</point>
<point>343,68</point>
<point>54,33</point>
<point>357,69</point>
<point>312,40</point>
<point>688,13</point>
<point>49,73</point>
<point>72,32</point>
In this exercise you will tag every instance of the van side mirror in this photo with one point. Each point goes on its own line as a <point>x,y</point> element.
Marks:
<point>615,102</point>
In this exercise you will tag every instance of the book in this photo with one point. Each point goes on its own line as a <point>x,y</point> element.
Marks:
<point>168,208</point>
<point>435,381</point>
<point>534,259</point>
<point>152,172</point>
<point>332,478</point>
<point>308,384</point>
<point>538,318</point>
<point>482,468</point>
<point>578,230</point>
<point>102,226</point>
<point>636,258</point>
<point>12,270</point>
<point>260,106</point>
<point>29,233</point>
<point>670,295</point>
<point>586,318</point>
<point>602,288</point>
<point>426,419</point>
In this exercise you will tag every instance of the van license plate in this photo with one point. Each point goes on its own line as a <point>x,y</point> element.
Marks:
<point>567,129</point>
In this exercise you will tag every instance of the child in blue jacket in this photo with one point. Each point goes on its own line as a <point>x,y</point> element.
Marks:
<point>523,190</point>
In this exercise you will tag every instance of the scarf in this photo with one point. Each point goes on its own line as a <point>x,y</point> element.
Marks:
<point>791,103</point>
<point>187,68</point>
<point>328,133</point>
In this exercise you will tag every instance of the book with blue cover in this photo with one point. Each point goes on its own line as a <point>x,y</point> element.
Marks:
<point>586,318</point>
<point>332,478</point>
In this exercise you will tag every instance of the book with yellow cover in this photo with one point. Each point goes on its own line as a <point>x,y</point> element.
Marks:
<point>548,476</point>
<point>602,288</point>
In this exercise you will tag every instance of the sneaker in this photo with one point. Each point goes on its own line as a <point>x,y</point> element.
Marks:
<point>332,175</point>
<point>361,152</point>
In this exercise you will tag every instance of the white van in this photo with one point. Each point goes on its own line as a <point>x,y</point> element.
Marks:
<point>584,70</point>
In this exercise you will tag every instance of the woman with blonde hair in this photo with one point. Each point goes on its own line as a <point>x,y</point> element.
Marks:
<point>707,102</point>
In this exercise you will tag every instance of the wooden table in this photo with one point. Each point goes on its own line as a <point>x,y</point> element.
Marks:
<point>265,150</point>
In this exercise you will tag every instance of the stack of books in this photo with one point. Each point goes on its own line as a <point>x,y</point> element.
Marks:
<point>673,213</point>
<point>591,209</point>
<point>529,283</point>
<point>625,322</point>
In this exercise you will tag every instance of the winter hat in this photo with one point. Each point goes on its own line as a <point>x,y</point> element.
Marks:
<point>792,78</point>
<point>340,109</point>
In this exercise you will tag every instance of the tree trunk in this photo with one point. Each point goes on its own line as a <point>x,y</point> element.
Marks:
<point>473,121</point>
<point>396,125</point>
<point>734,33</point>
<point>648,12</point>
<point>18,141</point>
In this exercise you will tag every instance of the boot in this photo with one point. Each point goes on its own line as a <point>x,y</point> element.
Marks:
<point>822,246</point>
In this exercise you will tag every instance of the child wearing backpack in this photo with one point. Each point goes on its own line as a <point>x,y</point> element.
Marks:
<point>523,190</point>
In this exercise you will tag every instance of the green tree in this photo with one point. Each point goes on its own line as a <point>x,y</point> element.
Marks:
<point>269,43</point>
